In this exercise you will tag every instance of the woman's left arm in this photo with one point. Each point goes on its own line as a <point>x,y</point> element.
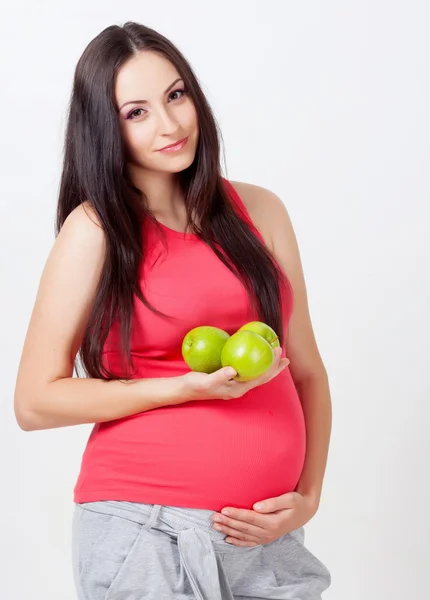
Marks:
<point>306,366</point>
<point>273,517</point>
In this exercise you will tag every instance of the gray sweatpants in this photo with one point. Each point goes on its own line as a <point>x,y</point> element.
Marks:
<point>133,551</point>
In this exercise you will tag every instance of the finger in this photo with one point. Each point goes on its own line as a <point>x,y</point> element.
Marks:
<point>242,526</point>
<point>235,542</point>
<point>241,516</point>
<point>273,505</point>
<point>278,358</point>
<point>222,375</point>
<point>272,370</point>
<point>239,535</point>
<point>276,367</point>
<point>284,363</point>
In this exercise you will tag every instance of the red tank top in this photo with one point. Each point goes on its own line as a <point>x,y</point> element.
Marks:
<point>208,454</point>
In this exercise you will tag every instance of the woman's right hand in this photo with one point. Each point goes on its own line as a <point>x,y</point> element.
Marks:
<point>220,385</point>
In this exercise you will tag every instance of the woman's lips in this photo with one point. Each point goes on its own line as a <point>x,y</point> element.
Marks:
<point>175,147</point>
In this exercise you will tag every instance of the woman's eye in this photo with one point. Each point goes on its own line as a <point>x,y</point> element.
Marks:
<point>178,92</point>
<point>136,110</point>
<point>133,114</point>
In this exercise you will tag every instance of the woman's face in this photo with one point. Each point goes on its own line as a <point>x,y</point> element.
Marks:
<point>154,111</point>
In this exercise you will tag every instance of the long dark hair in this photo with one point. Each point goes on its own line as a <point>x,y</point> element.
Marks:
<point>94,172</point>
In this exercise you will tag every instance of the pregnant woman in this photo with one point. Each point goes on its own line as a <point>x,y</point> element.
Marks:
<point>191,485</point>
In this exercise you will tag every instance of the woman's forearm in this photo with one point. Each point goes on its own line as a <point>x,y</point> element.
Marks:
<point>74,401</point>
<point>314,393</point>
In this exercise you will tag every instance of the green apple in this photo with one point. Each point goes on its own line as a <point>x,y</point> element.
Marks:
<point>248,353</point>
<point>264,330</point>
<point>202,347</point>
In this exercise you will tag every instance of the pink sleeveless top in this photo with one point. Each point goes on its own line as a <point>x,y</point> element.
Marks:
<point>202,454</point>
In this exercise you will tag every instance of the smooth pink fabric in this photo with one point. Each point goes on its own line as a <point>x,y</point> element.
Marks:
<point>207,454</point>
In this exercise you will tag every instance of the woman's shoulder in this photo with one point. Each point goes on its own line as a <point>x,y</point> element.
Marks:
<point>259,202</point>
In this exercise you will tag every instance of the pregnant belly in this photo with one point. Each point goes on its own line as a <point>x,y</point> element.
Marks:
<point>206,454</point>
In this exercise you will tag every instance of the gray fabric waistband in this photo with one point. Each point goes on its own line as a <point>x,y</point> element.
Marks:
<point>198,543</point>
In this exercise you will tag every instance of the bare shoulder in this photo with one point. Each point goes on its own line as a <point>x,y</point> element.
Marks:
<point>83,220</point>
<point>82,227</point>
<point>270,214</point>
<point>264,207</point>
<point>62,307</point>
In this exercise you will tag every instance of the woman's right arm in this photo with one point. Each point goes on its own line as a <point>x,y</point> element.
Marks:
<point>46,394</point>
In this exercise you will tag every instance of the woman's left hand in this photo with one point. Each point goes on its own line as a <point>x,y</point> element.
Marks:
<point>277,517</point>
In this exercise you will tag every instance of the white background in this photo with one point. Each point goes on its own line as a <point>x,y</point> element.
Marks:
<point>326,104</point>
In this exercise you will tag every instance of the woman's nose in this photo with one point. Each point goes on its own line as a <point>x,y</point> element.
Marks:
<point>166,123</point>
